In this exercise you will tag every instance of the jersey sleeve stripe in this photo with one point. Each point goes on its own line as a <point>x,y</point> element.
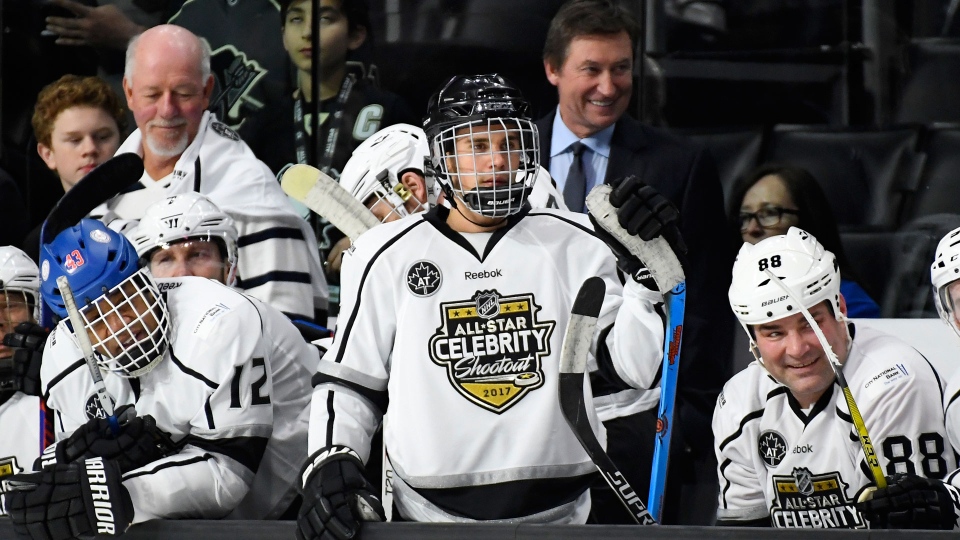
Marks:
<point>191,372</point>
<point>268,234</point>
<point>247,451</point>
<point>363,278</point>
<point>952,399</point>
<point>167,465</point>
<point>209,413</point>
<point>723,493</point>
<point>61,375</point>
<point>752,416</point>
<point>330,417</point>
<point>380,399</point>
<point>275,275</point>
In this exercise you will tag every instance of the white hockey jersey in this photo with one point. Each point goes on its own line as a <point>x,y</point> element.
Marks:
<point>20,444</point>
<point>278,258</point>
<point>233,389</point>
<point>805,469</point>
<point>466,349</point>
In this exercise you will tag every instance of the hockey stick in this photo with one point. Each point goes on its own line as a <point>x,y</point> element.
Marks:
<point>573,362</point>
<point>865,442</point>
<point>663,264</point>
<point>86,348</point>
<point>322,194</point>
<point>325,196</point>
<point>100,185</point>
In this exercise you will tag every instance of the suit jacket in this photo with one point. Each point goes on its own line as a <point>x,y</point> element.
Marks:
<point>688,177</point>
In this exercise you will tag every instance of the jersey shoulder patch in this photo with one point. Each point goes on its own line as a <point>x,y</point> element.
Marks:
<point>224,131</point>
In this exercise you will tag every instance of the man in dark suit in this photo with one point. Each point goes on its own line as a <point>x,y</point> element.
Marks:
<point>588,56</point>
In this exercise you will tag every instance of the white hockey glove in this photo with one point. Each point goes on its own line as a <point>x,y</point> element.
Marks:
<point>69,500</point>
<point>912,502</point>
<point>336,496</point>
<point>643,212</point>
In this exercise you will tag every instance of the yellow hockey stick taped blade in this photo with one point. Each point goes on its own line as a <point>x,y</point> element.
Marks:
<point>325,196</point>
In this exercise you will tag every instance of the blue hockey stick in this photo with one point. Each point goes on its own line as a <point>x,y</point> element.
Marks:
<point>662,262</point>
<point>676,301</point>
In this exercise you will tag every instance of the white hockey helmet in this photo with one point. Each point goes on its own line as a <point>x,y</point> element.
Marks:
<point>183,217</point>
<point>944,271</point>
<point>18,273</point>
<point>798,259</point>
<point>377,165</point>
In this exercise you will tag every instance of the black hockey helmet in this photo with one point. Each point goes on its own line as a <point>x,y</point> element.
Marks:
<point>494,102</point>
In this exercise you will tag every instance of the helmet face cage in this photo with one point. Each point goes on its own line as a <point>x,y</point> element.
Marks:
<point>943,272</point>
<point>800,262</point>
<point>184,217</point>
<point>116,319</point>
<point>490,165</point>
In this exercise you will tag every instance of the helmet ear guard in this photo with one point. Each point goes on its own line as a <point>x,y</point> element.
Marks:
<point>798,259</point>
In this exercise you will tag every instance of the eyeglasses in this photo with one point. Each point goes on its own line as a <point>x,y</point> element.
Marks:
<point>766,217</point>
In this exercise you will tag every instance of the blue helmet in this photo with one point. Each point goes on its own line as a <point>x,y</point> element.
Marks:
<point>94,258</point>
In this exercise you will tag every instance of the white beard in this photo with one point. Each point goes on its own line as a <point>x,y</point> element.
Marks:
<point>167,150</point>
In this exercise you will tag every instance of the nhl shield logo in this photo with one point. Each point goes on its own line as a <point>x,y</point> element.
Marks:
<point>772,447</point>
<point>488,304</point>
<point>492,347</point>
<point>804,480</point>
<point>424,278</point>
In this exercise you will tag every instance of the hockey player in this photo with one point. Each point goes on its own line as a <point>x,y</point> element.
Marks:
<point>187,235</point>
<point>185,148</point>
<point>910,501</point>
<point>19,412</point>
<point>788,453</point>
<point>199,360</point>
<point>466,348</point>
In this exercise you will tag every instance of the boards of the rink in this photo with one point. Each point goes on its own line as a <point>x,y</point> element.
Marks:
<point>275,530</point>
<point>932,337</point>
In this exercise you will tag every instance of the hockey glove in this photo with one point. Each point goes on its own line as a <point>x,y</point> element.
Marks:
<point>27,340</point>
<point>69,500</point>
<point>139,442</point>
<point>642,211</point>
<point>911,502</point>
<point>336,496</point>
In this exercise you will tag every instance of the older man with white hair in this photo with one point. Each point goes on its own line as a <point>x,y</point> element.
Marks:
<point>168,87</point>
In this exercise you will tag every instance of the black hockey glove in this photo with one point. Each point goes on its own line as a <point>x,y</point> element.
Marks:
<point>139,442</point>
<point>336,496</point>
<point>27,340</point>
<point>911,502</point>
<point>69,500</point>
<point>642,211</point>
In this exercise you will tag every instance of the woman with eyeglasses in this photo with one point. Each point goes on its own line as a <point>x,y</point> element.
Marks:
<point>774,197</point>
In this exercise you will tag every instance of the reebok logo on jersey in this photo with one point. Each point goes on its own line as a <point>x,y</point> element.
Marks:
<point>805,449</point>
<point>492,347</point>
<point>814,501</point>
<point>772,447</point>
<point>100,493</point>
<point>424,278</point>
<point>483,274</point>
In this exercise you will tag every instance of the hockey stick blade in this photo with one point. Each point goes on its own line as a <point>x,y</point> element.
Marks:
<point>325,196</point>
<point>79,330</point>
<point>869,454</point>
<point>94,189</point>
<point>656,254</point>
<point>573,363</point>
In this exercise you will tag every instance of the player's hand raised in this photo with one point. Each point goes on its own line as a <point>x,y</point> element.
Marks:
<point>644,212</point>
<point>336,496</point>
<point>911,502</point>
